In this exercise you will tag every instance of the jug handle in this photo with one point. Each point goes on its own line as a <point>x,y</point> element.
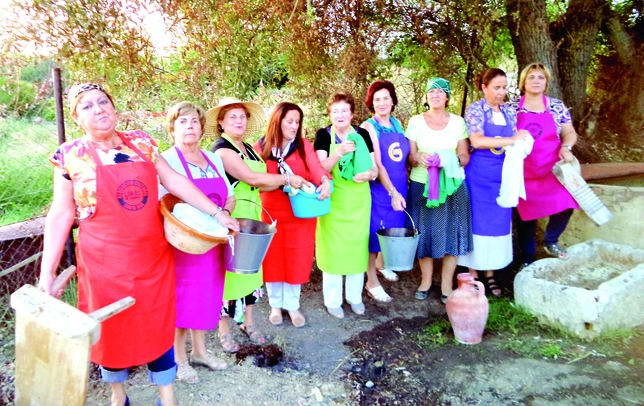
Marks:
<point>479,285</point>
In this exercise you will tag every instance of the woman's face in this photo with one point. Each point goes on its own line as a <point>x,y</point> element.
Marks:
<point>436,98</point>
<point>535,82</point>
<point>495,91</point>
<point>290,124</point>
<point>95,113</point>
<point>187,129</point>
<point>341,115</point>
<point>382,102</point>
<point>234,122</point>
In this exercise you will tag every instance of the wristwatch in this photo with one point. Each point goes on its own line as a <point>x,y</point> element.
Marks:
<point>217,211</point>
<point>569,147</point>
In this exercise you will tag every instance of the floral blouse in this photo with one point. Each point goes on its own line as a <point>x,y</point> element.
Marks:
<point>75,161</point>
<point>478,111</point>
<point>556,108</point>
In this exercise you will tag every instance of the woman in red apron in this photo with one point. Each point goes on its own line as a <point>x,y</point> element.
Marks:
<point>199,278</point>
<point>108,180</point>
<point>549,122</point>
<point>289,259</point>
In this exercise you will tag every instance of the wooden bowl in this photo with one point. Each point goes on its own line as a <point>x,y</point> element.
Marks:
<point>182,237</point>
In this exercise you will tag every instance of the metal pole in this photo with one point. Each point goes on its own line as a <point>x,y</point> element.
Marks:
<point>60,121</point>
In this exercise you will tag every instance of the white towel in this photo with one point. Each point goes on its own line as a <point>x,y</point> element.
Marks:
<point>200,221</point>
<point>512,184</point>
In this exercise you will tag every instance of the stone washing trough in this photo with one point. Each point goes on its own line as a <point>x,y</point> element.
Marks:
<point>598,289</point>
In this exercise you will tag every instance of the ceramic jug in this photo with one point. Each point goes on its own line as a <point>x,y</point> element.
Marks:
<point>467,309</point>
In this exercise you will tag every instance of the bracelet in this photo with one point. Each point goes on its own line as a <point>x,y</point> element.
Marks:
<point>324,179</point>
<point>393,192</point>
<point>217,211</point>
<point>338,154</point>
<point>288,178</point>
<point>227,211</point>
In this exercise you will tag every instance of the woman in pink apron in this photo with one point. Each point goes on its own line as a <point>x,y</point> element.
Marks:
<point>389,189</point>
<point>200,278</point>
<point>549,122</point>
<point>108,180</point>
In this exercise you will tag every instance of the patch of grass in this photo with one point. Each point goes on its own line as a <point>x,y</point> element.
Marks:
<point>506,316</point>
<point>437,334</point>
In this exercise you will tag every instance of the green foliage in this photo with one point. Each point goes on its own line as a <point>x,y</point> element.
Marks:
<point>506,315</point>
<point>16,97</point>
<point>437,334</point>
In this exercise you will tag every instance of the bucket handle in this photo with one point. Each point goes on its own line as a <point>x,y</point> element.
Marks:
<point>273,222</point>
<point>382,224</point>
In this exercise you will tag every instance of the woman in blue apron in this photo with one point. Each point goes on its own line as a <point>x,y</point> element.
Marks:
<point>492,126</point>
<point>389,190</point>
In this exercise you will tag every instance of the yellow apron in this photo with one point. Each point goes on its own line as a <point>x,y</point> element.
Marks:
<point>342,236</point>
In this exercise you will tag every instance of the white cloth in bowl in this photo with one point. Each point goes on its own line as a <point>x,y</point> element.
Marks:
<point>198,220</point>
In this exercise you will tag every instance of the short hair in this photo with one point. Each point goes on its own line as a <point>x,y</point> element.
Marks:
<point>226,109</point>
<point>74,102</point>
<point>341,97</point>
<point>534,67</point>
<point>377,86</point>
<point>485,77</point>
<point>182,109</point>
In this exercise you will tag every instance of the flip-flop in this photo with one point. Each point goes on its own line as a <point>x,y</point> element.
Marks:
<point>379,294</point>
<point>391,276</point>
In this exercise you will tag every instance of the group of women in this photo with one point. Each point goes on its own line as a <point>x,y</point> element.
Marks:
<point>108,179</point>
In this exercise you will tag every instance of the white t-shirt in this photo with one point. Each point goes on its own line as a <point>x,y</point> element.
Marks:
<point>498,118</point>
<point>430,141</point>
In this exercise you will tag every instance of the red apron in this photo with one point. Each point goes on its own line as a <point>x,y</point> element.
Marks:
<point>122,252</point>
<point>545,195</point>
<point>200,278</point>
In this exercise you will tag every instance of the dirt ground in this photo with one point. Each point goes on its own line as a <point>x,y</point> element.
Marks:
<point>377,359</point>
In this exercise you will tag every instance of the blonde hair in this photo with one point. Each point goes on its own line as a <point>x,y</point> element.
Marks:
<point>534,67</point>
<point>182,109</point>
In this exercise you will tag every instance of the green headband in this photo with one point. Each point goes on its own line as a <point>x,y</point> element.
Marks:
<point>438,83</point>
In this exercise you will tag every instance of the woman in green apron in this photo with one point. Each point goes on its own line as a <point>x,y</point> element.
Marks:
<point>232,121</point>
<point>342,236</point>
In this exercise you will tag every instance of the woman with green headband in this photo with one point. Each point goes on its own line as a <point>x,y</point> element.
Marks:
<point>439,138</point>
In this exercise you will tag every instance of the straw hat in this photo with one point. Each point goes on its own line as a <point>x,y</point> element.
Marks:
<point>254,124</point>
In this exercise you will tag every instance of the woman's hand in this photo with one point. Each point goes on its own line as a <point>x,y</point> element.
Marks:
<point>365,176</point>
<point>45,283</point>
<point>566,154</point>
<point>346,147</point>
<point>225,220</point>
<point>520,135</point>
<point>398,203</point>
<point>296,181</point>
<point>421,159</point>
<point>324,189</point>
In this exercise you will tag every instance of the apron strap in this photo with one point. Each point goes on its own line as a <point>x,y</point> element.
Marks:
<point>183,162</point>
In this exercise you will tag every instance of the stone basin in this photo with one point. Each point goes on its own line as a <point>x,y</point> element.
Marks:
<point>598,289</point>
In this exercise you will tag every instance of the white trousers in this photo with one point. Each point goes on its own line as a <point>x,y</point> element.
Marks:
<point>282,295</point>
<point>332,289</point>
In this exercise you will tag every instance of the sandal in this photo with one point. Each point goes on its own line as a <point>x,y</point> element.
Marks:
<point>379,294</point>
<point>555,251</point>
<point>391,276</point>
<point>357,308</point>
<point>297,318</point>
<point>228,344</point>
<point>491,285</point>
<point>209,361</point>
<point>186,373</point>
<point>335,312</point>
<point>275,317</point>
<point>254,335</point>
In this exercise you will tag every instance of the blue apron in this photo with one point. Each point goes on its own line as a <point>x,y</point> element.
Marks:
<point>483,177</point>
<point>394,149</point>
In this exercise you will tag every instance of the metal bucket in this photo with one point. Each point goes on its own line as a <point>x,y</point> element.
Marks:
<point>245,251</point>
<point>398,246</point>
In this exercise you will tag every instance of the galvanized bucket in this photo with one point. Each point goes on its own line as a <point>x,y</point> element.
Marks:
<point>245,251</point>
<point>398,246</point>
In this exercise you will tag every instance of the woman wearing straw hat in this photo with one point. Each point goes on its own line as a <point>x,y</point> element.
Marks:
<point>199,278</point>
<point>108,180</point>
<point>289,259</point>
<point>233,121</point>
<point>342,236</point>
<point>439,138</point>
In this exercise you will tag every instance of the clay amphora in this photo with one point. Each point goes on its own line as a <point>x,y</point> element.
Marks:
<point>467,309</point>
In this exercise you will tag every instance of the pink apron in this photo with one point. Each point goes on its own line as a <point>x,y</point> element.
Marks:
<point>200,278</point>
<point>545,195</point>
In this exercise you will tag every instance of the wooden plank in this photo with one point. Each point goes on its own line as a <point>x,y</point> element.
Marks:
<point>108,311</point>
<point>24,229</point>
<point>62,279</point>
<point>21,264</point>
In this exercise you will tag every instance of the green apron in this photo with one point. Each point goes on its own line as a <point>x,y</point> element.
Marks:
<point>342,236</point>
<point>238,286</point>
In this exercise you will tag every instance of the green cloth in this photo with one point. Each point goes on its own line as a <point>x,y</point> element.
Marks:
<point>450,178</point>
<point>357,161</point>
<point>438,83</point>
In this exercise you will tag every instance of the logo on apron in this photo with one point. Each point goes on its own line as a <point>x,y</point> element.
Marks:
<point>132,195</point>
<point>395,152</point>
<point>216,199</point>
<point>535,129</point>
